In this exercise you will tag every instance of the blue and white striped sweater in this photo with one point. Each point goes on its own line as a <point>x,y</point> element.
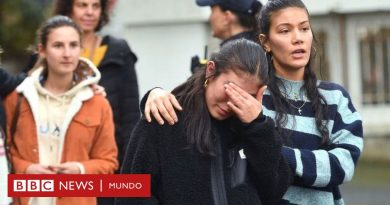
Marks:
<point>318,172</point>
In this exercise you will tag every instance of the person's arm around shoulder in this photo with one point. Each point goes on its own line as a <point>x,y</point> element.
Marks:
<point>160,105</point>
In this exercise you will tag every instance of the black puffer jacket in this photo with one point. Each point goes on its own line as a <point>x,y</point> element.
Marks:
<point>8,83</point>
<point>120,82</point>
<point>184,176</point>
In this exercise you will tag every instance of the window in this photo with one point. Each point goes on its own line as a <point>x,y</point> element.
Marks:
<point>375,65</point>
<point>321,64</point>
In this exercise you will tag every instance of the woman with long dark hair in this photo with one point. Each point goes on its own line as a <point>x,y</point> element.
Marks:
<point>224,151</point>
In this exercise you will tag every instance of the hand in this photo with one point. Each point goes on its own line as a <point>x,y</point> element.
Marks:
<point>38,169</point>
<point>246,107</point>
<point>66,168</point>
<point>161,102</point>
<point>98,90</point>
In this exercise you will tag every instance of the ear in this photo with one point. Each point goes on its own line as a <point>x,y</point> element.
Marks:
<point>229,16</point>
<point>41,50</point>
<point>264,42</point>
<point>210,69</point>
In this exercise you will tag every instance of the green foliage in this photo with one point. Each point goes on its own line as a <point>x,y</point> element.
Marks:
<point>19,21</point>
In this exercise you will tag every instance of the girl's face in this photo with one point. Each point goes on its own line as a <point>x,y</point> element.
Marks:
<point>86,14</point>
<point>215,94</point>
<point>62,50</point>
<point>290,40</point>
<point>218,22</point>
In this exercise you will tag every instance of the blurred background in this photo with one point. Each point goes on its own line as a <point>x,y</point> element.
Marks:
<point>354,39</point>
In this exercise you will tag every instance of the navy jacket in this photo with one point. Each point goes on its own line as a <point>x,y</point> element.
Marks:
<point>8,83</point>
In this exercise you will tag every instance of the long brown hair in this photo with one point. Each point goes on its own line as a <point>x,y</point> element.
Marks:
<point>244,55</point>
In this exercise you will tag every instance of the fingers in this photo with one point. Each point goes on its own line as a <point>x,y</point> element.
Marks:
<point>38,169</point>
<point>238,90</point>
<point>66,168</point>
<point>234,108</point>
<point>245,106</point>
<point>161,104</point>
<point>175,103</point>
<point>147,112</point>
<point>98,90</point>
<point>165,108</point>
<point>235,97</point>
<point>156,114</point>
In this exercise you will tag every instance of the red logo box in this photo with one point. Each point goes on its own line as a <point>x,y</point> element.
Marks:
<point>79,185</point>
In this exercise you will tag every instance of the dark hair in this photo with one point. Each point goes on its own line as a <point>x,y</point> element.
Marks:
<point>247,20</point>
<point>65,7</point>
<point>318,102</point>
<point>243,55</point>
<point>53,23</point>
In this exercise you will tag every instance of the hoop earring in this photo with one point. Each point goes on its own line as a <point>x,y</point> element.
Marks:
<point>205,83</point>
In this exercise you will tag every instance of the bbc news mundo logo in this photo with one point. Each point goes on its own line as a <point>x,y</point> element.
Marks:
<point>79,185</point>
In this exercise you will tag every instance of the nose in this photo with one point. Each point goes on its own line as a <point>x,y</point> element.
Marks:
<point>89,10</point>
<point>297,37</point>
<point>66,51</point>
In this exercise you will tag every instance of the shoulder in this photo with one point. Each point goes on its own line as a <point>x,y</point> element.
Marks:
<point>111,40</point>
<point>331,86</point>
<point>333,91</point>
<point>97,102</point>
<point>336,96</point>
<point>166,133</point>
<point>118,46</point>
<point>11,98</point>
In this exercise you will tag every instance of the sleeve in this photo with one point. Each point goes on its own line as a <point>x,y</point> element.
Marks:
<point>103,154</point>
<point>9,82</point>
<point>142,158</point>
<point>336,163</point>
<point>19,165</point>
<point>129,112</point>
<point>33,59</point>
<point>266,166</point>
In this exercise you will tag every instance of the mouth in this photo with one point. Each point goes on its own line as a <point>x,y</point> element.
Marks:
<point>223,112</point>
<point>66,63</point>
<point>298,53</point>
<point>88,22</point>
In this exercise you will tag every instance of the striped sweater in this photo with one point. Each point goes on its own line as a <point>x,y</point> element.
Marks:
<point>319,172</point>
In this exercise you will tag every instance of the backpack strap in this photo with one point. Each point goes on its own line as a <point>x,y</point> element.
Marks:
<point>13,129</point>
<point>16,117</point>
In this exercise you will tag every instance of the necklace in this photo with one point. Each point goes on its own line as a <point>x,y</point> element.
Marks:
<point>296,98</point>
<point>298,108</point>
